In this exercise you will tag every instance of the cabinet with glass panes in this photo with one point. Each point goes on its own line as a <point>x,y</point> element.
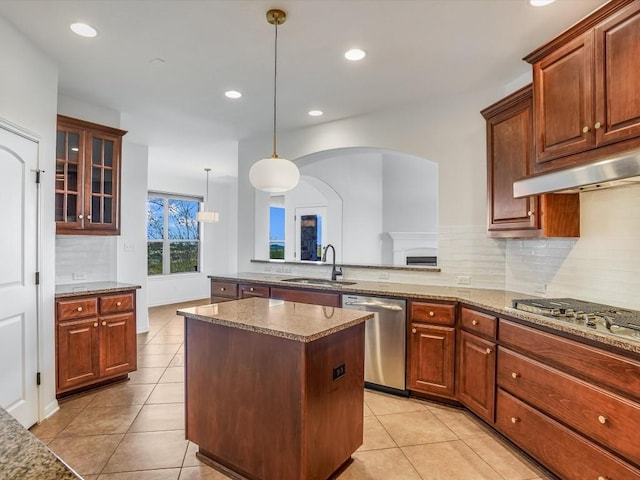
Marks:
<point>88,159</point>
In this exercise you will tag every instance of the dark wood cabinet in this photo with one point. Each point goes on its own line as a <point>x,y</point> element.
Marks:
<point>315,297</point>
<point>587,89</point>
<point>477,375</point>
<point>223,291</point>
<point>95,340</point>
<point>509,156</point>
<point>87,181</point>
<point>248,291</point>
<point>431,347</point>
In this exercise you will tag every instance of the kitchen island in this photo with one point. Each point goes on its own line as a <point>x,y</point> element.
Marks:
<point>274,389</point>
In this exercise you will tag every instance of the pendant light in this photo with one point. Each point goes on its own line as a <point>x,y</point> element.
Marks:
<point>205,216</point>
<point>274,174</point>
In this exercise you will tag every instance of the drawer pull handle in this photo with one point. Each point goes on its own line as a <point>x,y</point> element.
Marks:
<point>222,289</point>
<point>95,324</point>
<point>251,289</point>
<point>530,213</point>
<point>118,304</point>
<point>603,478</point>
<point>515,419</point>
<point>79,309</point>
<point>597,125</point>
<point>515,375</point>
<point>489,351</point>
<point>602,419</point>
<point>104,324</point>
<point>585,129</point>
<point>413,330</point>
<point>474,322</point>
<point>431,314</point>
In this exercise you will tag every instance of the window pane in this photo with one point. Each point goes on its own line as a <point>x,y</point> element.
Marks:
<point>276,233</point>
<point>60,139</point>
<point>74,147</point>
<point>96,210</point>
<point>154,258</point>
<point>182,219</point>
<point>96,152</point>
<point>108,153</point>
<point>155,218</point>
<point>184,257</point>
<point>107,214</point>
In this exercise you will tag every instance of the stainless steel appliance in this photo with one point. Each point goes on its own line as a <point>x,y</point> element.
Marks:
<point>604,318</point>
<point>385,341</point>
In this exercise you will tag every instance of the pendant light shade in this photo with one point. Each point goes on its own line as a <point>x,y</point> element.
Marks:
<point>274,174</point>
<point>205,216</point>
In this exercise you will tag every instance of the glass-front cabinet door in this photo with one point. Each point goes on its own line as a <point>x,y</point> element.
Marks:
<point>69,177</point>
<point>87,178</point>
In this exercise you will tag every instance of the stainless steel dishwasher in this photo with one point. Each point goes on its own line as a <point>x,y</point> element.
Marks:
<point>385,341</point>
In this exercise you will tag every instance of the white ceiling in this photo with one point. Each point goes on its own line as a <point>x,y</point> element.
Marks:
<point>417,50</point>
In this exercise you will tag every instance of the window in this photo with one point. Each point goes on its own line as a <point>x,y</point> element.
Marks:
<point>276,233</point>
<point>173,234</point>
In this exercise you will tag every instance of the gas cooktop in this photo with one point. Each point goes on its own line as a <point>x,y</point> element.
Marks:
<point>605,318</point>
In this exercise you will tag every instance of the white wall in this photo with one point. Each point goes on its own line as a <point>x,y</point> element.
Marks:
<point>450,133</point>
<point>219,250</point>
<point>29,85</point>
<point>132,241</point>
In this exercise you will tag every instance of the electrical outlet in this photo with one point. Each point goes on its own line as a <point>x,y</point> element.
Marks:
<point>79,276</point>
<point>286,269</point>
<point>463,280</point>
<point>383,275</point>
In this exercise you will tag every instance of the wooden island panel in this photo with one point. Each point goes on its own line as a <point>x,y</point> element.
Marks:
<point>268,407</point>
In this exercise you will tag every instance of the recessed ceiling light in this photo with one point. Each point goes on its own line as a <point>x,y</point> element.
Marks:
<point>315,113</point>
<point>83,29</point>
<point>540,3</point>
<point>232,94</point>
<point>355,54</point>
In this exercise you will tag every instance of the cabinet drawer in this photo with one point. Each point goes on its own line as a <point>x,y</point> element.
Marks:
<point>590,363</point>
<point>567,454</point>
<point>247,291</point>
<point>116,303</point>
<point>70,309</point>
<point>224,289</point>
<point>433,313</point>
<point>610,420</point>
<point>479,323</point>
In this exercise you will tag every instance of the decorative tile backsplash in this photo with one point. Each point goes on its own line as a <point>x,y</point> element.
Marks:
<point>603,265</point>
<point>86,258</point>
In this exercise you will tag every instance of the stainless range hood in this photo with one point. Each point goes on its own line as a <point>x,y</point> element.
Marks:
<point>612,172</point>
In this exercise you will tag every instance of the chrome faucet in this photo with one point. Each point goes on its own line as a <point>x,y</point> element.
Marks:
<point>334,271</point>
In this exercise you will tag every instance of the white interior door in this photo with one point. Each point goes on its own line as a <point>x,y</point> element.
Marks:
<point>18,265</point>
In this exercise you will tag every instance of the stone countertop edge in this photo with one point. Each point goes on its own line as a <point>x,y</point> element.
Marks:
<point>24,457</point>
<point>497,301</point>
<point>92,288</point>
<point>252,315</point>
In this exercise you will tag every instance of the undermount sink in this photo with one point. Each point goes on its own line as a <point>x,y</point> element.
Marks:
<point>317,281</point>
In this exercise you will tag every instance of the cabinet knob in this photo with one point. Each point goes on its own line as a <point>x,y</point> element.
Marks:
<point>489,351</point>
<point>515,375</point>
<point>585,129</point>
<point>104,324</point>
<point>530,213</point>
<point>88,217</point>
<point>251,289</point>
<point>515,419</point>
<point>95,324</point>
<point>602,419</point>
<point>80,216</point>
<point>603,478</point>
<point>79,309</point>
<point>474,322</point>
<point>597,125</point>
<point>431,314</point>
<point>413,330</point>
<point>222,289</point>
<point>118,304</point>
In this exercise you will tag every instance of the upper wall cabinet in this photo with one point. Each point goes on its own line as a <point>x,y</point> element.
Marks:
<point>509,154</point>
<point>88,159</point>
<point>586,89</point>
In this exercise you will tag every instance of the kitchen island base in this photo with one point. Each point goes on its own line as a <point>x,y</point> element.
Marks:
<point>266,407</point>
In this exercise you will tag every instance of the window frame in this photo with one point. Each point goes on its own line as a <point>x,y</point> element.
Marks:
<point>166,242</point>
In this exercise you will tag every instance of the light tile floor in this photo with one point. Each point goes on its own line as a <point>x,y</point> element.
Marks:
<point>135,430</point>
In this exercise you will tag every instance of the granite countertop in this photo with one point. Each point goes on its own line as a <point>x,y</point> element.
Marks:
<point>91,288</point>
<point>24,457</point>
<point>296,321</point>
<point>498,301</point>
